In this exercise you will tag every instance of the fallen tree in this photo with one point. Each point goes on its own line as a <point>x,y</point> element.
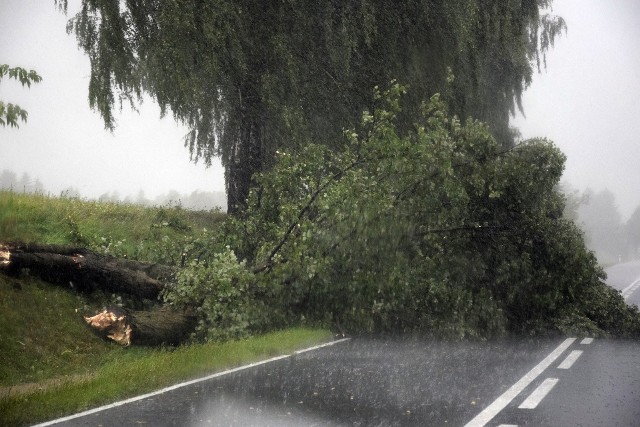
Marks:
<point>154,327</point>
<point>86,271</point>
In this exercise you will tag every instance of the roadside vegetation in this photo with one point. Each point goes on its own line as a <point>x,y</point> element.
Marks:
<point>356,205</point>
<point>119,229</point>
<point>51,363</point>
<point>438,231</point>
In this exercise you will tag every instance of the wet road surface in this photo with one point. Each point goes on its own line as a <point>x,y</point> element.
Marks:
<point>407,383</point>
<point>602,388</point>
<point>359,382</point>
<point>626,278</point>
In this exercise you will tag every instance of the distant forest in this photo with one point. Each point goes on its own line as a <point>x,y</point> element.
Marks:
<point>197,200</point>
<point>607,233</point>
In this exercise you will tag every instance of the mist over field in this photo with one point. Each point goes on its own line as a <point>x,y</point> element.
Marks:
<point>196,200</point>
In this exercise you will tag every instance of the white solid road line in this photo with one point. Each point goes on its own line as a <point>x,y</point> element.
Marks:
<point>321,345</point>
<point>184,384</point>
<point>501,402</point>
<point>570,359</point>
<point>586,341</point>
<point>626,292</point>
<point>538,394</point>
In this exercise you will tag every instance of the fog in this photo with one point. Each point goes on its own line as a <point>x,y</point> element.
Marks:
<point>586,101</point>
<point>64,144</point>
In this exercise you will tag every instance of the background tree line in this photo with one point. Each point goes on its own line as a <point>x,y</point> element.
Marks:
<point>607,233</point>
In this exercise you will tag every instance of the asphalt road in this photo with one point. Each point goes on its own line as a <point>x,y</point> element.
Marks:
<point>524,382</point>
<point>626,278</point>
<point>408,383</point>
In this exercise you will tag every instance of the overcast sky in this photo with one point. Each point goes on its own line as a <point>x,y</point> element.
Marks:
<point>64,143</point>
<point>587,102</point>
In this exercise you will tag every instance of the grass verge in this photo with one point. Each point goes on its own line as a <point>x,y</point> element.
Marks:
<point>129,374</point>
<point>43,334</point>
<point>117,228</point>
<point>51,363</point>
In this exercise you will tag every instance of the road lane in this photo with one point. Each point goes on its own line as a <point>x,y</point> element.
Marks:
<point>602,388</point>
<point>360,382</point>
<point>626,278</point>
<point>409,383</point>
<point>516,389</point>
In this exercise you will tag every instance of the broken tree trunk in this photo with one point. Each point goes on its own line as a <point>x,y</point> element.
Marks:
<point>85,270</point>
<point>155,327</point>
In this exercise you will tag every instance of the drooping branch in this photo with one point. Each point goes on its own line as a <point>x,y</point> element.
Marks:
<point>376,124</point>
<point>303,211</point>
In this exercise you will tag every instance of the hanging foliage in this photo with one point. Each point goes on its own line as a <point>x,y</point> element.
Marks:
<point>249,78</point>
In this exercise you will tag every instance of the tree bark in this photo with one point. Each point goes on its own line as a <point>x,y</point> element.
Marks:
<point>246,154</point>
<point>84,270</point>
<point>87,271</point>
<point>155,327</point>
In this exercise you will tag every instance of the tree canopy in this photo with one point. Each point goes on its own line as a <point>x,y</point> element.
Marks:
<point>408,210</point>
<point>438,231</point>
<point>249,78</point>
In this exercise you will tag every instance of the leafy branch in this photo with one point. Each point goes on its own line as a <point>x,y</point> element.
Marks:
<point>303,211</point>
<point>11,114</point>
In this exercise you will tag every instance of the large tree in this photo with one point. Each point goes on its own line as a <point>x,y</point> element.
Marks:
<point>249,77</point>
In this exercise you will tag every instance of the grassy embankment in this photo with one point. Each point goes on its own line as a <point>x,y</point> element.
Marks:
<point>51,363</point>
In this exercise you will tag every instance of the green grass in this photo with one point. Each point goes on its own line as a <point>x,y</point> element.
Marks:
<point>119,228</point>
<point>51,363</point>
<point>135,372</point>
<point>43,334</point>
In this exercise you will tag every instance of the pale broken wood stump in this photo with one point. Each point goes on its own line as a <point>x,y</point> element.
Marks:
<point>86,271</point>
<point>155,327</point>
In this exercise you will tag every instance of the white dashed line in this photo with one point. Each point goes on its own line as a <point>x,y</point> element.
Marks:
<point>570,359</point>
<point>586,341</point>
<point>538,394</point>
<point>501,402</point>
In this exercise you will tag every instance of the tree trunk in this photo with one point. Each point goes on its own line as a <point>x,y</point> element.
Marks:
<point>87,271</point>
<point>84,270</point>
<point>155,327</point>
<point>247,149</point>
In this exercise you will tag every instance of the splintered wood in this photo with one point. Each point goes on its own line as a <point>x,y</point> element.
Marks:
<point>114,324</point>
<point>86,271</point>
<point>5,257</point>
